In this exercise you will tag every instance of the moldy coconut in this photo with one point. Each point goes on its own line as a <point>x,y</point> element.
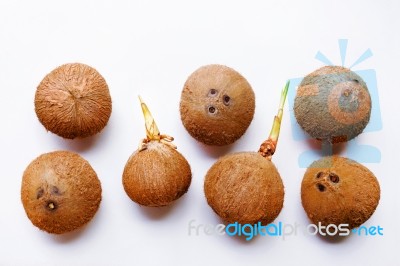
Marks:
<point>333,104</point>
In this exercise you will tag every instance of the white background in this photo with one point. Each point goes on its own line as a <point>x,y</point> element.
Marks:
<point>150,48</point>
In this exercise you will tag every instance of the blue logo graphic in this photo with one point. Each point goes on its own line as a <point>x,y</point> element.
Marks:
<point>354,150</point>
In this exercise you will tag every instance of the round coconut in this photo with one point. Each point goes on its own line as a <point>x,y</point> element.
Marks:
<point>337,190</point>
<point>73,101</point>
<point>157,175</point>
<point>60,192</point>
<point>333,104</point>
<point>217,105</point>
<point>245,188</point>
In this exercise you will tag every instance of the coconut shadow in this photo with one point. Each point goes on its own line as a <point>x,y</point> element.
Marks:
<point>241,239</point>
<point>70,236</point>
<point>336,239</point>
<point>77,233</point>
<point>158,213</point>
<point>214,151</point>
<point>83,144</point>
<point>325,148</point>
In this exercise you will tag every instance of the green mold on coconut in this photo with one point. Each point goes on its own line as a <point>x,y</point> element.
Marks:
<point>333,104</point>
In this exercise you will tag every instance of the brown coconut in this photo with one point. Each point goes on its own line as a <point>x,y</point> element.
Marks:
<point>245,188</point>
<point>333,104</point>
<point>157,175</point>
<point>217,105</point>
<point>60,192</point>
<point>73,101</point>
<point>337,190</point>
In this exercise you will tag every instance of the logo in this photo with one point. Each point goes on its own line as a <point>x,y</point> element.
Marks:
<point>279,229</point>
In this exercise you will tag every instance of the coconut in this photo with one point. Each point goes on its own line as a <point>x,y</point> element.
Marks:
<point>73,101</point>
<point>156,174</point>
<point>337,190</point>
<point>244,187</point>
<point>333,104</point>
<point>217,105</point>
<point>60,192</point>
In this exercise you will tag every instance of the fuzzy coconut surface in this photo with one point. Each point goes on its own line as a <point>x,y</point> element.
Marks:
<point>245,188</point>
<point>60,192</point>
<point>333,104</point>
<point>337,190</point>
<point>217,105</point>
<point>73,101</point>
<point>157,175</point>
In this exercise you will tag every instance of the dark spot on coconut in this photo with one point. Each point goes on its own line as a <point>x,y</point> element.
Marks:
<point>51,206</point>
<point>211,109</point>
<point>227,100</point>
<point>212,92</point>
<point>334,177</point>
<point>320,174</point>
<point>321,187</point>
<point>40,193</point>
<point>346,93</point>
<point>348,102</point>
<point>55,190</point>
<point>356,81</point>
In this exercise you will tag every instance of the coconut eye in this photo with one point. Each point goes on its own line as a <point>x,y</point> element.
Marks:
<point>55,190</point>
<point>212,109</point>
<point>39,193</point>
<point>334,177</point>
<point>212,92</point>
<point>227,100</point>
<point>321,187</point>
<point>319,175</point>
<point>51,205</point>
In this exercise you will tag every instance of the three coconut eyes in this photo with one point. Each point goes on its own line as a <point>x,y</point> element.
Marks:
<point>334,178</point>
<point>50,205</point>
<point>225,99</point>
